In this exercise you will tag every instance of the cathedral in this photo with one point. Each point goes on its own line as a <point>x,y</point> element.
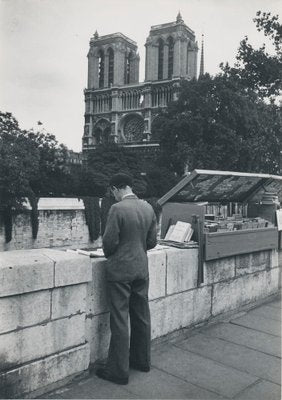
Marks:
<point>119,108</point>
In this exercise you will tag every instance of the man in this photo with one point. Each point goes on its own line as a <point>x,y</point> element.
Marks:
<point>130,231</point>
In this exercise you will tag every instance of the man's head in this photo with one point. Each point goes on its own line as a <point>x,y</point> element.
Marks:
<point>120,185</point>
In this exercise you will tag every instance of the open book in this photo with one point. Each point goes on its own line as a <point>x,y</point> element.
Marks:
<point>180,232</point>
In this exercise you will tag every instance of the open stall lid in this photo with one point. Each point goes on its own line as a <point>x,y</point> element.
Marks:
<point>222,186</point>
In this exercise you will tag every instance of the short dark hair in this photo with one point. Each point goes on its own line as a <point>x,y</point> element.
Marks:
<point>121,180</point>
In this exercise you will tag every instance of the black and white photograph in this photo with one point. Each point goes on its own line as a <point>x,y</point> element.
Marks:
<point>140,199</point>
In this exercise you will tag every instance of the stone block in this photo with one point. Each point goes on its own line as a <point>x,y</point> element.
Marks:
<point>274,259</point>
<point>23,271</point>
<point>219,270</point>
<point>253,262</point>
<point>242,290</point>
<point>39,341</point>
<point>39,374</point>
<point>24,310</point>
<point>98,335</point>
<point>182,270</point>
<point>68,300</point>
<point>157,273</point>
<point>180,310</point>
<point>96,289</point>
<point>70,268</point>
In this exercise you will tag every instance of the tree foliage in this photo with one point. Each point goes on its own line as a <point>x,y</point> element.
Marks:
<point>256,68</point>
<point>19,162</point>
<point>224,122</point>
<point>216,124</point>
<point>105,161</point>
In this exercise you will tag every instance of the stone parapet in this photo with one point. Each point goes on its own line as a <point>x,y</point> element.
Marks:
<point>176,301</point>
<point>42,319</point>
<point>54,317</point>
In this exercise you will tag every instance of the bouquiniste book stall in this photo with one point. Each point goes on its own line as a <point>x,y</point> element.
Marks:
<point>230,213</point>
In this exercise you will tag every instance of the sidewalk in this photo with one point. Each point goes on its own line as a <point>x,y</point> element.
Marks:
<point>238,358</point>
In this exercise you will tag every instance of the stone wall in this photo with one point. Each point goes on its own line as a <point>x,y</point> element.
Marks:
<point>54,317</point>
<point>61,223</point>
<point>42,319</point>
<point>175,299</point>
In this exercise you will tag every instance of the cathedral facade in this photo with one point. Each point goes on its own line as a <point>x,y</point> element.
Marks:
<point>119,108</point>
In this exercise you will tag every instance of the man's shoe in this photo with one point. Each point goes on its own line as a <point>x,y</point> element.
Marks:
<point>103,373</point>
<point>138,367</point>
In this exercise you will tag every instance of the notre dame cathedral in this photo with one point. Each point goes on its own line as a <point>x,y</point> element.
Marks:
<point>119,108</point>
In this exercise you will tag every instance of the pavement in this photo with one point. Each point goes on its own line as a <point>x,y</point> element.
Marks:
<point>238,357</point>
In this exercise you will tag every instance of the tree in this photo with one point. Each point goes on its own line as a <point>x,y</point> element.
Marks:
<point>105,161</point>
<point>19,163</point>
<point>256,68</point>
<point>217,124</point>
<point>54,176</point>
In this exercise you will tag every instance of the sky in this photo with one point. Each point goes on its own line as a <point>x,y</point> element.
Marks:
<point>44,46</point>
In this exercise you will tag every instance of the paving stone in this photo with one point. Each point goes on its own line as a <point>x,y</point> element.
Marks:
<point>246,337</point>
<point>262,391</point>
<point>161,385</point>
<point>92,388</point>
<point>259,323</point>
<point>201,371</point>
<point>246,360</point>
<point>267,312</point>
<point>275,304</point>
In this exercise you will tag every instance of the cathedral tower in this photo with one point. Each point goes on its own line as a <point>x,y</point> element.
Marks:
<point>119,108</point>
<point>112,60</point>
<point>171,51</point>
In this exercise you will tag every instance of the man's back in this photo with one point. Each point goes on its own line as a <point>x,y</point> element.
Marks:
<point>130,232</point>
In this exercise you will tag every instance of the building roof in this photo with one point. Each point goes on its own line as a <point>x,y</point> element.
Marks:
<point>116,35</point>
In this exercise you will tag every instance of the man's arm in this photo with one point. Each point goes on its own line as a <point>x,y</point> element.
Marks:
<point>111,234</point>
<point>152,234</point>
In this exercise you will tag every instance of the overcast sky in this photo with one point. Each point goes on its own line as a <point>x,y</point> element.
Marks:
<point>44,44</point>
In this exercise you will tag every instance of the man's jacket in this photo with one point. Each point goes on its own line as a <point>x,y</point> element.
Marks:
<point>130,231</point>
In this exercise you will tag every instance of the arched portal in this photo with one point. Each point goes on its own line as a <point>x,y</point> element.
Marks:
<point>102,131</point>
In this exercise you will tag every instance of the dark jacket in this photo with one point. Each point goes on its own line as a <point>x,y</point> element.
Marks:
<point>130,231</point>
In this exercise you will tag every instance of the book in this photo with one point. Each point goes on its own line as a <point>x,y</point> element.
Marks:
<point>180,232</point>
<point>169,232</point>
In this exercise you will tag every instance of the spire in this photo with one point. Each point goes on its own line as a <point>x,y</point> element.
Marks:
<point>96,35</point>
<point>202,58</point>
<point>179,18</point>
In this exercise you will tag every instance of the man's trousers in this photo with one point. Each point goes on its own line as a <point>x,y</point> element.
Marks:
<point>129,298</point>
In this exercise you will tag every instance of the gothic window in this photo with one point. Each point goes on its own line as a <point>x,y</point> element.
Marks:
<point>170,57</point>
<point>133,128</point>
<point>188,56</point>
<point>128,67</point>
<point>101,60</point>
<point>111,66</point>
<point>161,59</point>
